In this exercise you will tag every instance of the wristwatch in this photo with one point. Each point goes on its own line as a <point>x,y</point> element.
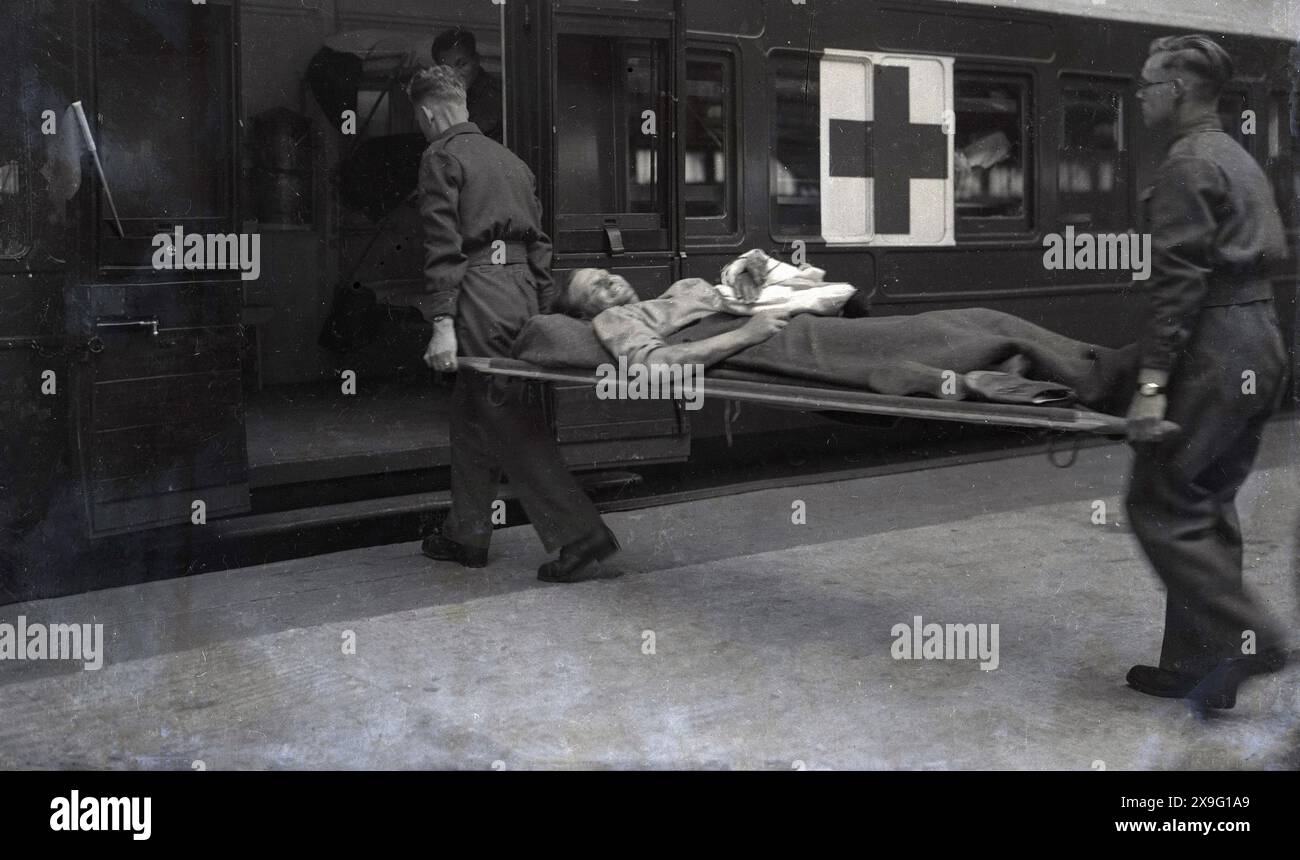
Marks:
<point>1151,389</point>
<point>437,318</point>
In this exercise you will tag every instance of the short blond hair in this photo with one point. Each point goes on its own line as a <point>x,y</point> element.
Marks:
<point>1199,55</point>
<point>437,84</point>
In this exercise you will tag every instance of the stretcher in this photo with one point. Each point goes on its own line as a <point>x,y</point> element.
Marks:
<point>805,397</point>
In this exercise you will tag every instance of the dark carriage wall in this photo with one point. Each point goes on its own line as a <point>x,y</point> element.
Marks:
<point>39,73</point>
<point>1003,272</point>
<point>301,267</point>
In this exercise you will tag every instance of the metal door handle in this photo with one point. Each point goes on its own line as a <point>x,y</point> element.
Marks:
<point>151,323</point>
<point>614,239</point>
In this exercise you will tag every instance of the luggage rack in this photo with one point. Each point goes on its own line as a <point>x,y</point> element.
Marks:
<point>804,397</point>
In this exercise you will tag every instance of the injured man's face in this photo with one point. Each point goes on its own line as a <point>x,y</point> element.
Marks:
<point>591,291</point>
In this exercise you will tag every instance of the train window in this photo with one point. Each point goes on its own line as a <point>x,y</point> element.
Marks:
<point>15,170</point>
<point>163,98</point>
<point>385,110</point>
<point>368,71</point>
<point>387,60</point>
<point>709,170</point>
<point>795,163</point>
<point>612,133</point>
<point>1278,125</point>
<point>991,158</point>
<point>14,224</point>
<point>1280,163</point>
<point>475,52</point>
<point>1092,178</point>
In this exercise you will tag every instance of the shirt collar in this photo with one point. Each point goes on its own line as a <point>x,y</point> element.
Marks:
<point>459,128</point>
<point>1206,122</point>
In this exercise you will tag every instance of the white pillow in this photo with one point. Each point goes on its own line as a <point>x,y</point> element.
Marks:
<point>784,287</point>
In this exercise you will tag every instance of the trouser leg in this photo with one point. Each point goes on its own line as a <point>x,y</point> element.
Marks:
<point>475,475</point>
<point>501,425</point>
<point>1191,536</point>
<point>556,505</point>
<point>506,428</point>
<point>1181,530</point>
<point>1182,508</point>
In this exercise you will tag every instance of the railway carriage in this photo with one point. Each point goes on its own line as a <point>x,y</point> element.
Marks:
<point>920,150</point>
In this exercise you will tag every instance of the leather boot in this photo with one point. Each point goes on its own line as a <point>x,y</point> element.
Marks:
<point>577,556</point>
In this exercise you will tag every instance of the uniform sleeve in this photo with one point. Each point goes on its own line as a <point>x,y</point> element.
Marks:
<point>623,331</point>
<point>444,259</point>
<point>1186,196</point>
<point>539,258</point>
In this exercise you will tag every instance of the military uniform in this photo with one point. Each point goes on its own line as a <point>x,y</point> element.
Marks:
<point>474,192</point>
<point>1215,232</point>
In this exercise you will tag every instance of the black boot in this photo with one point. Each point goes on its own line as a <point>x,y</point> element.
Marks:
<point>1219,688</point>
<point>1161,682</point>
<point>439,548</point>
<point>575,557</point>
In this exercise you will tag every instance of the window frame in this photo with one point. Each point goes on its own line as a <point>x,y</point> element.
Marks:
<point>730,223</point>
<point>396,107</point>
<point>24,200</point>
<point>22,17</point>
<point>640,231</point>
<point>1126,162</point>
<point>1279,124</point>
<point>775,229</point>
<point>49,239</point>
<point>110,250</point>
<point>1280,158</point>
<point>977,227</point>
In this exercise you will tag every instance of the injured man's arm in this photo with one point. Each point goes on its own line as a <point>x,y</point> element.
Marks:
<point>706,352</point>
<point>639,330</point>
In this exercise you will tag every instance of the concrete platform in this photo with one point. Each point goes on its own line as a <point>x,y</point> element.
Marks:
<point>772,643</point>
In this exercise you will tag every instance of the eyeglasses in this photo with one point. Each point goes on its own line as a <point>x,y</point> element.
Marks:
<point>1142,84</point>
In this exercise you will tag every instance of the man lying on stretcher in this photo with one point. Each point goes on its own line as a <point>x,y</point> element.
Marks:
<point>774,318</point>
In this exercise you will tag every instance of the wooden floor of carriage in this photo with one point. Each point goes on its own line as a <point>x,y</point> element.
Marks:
<point>723,636</point>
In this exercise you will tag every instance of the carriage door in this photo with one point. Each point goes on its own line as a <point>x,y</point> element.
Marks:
<point>613,74</point>
<point>605,157</point>
<point>160,419</point>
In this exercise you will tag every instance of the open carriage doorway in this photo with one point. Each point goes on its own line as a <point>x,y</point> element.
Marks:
<point>336,387</point>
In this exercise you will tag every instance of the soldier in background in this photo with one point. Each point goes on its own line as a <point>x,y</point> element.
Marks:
<point>459,49</point>
<point>1213,361</point>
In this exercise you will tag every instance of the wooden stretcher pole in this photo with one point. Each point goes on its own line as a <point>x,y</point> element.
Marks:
<point>99,168</point>
<point>806,399</point>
